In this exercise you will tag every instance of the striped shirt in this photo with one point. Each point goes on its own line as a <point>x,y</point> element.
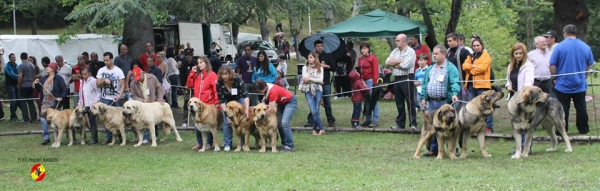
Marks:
<point>407,56</point>
<point>437,89</point>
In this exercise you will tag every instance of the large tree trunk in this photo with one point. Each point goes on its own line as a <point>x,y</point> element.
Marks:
<point>430,39</point>
<point>573,12</point>
<point>454,16</point>
<point>137,30</point>
<point>295,28</point>
<point>329,15</point>
<point>264,29</point>
<point>356,7</point>
<point>529,26</point>
<point>34,27</point>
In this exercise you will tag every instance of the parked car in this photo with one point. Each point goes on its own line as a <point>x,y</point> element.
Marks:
<point>258,45</point>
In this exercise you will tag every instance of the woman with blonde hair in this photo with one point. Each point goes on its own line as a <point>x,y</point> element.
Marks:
<point>313,81</point>
<point>520,74</point>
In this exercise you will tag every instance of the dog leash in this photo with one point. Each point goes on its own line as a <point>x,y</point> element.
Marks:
<point>57,104</point>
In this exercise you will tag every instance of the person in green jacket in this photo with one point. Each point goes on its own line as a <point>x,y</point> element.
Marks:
<point>440,86</point>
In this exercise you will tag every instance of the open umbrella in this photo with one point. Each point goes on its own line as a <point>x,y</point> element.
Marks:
<point>332,44</point>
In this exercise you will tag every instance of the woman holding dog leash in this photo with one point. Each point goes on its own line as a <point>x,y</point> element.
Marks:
<point>88,95</point>
<point>203,80</point>
<point>52,90</point>
<point>286,105</point>
<point>478,73</point>
<point>230,87</point>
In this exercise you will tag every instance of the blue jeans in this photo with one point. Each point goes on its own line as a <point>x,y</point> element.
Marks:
<point>326,105</point>
<point>174,80</point>
<point>356,112</point>
<point>313,104</point>
<point>284,117</point>
<point>433,105</point>
<point>227,130</point>
<point>45,133</point>
<point>489,120</point>
<point>108,134</point>
<point>375,115</point>
<point>12,94</point>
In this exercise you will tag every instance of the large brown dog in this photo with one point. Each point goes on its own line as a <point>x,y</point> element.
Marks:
<point>148,115</point>
<point>444,124</point>
<point>241,124</point>
<point>59,121</point>
<point>79,121</point>
<point>530,107</point>
<point>471,119</point>
<point>206,115</point>
<point>113,120</point>
<point>266,123</point>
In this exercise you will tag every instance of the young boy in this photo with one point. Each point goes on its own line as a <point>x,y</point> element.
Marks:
<point>357,97</point>
<point>420,76</point>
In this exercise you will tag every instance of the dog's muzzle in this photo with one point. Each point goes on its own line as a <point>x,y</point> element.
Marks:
<point>127,115</point>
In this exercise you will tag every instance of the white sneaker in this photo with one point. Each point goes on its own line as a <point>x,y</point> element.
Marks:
<point>227,148</point>
<point>144,141</point>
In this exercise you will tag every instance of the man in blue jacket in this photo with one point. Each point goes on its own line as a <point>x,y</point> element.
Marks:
<point>11,79</point>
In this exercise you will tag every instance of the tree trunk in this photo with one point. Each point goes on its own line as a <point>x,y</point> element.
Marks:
<point>294,31</point>
<point>391,42</point>
<point>235,30</point>
<point>454,16</point>
<point>356,7</point>
<point>329,15</point>
<point>430,39</point>
<point>34,27</point>
<point>573,12</point>
<point>264,29</point>
<point>529,26</point>
<point>137,30</point>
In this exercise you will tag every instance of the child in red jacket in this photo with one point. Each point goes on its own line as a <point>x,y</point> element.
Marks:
<point>359,88</point>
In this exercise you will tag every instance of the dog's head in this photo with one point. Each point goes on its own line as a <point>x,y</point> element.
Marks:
<point>195,105</point>
<point>260,111</point>
<point>80,111</point>
<point>131,107</point>
<point>488,99</point>
<point>446,114</point>
<point>48,113</point>
<point>532,97</point>
<point>233,109</point>
<point>99,108</point>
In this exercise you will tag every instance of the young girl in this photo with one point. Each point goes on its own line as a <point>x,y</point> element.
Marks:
<point>359,88</point>
<point>88,94</point>
<point>420,77</point>
<point>313,79</point>
<point>281,81</point>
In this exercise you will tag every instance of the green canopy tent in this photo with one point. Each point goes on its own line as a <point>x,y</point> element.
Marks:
<point>377,24</point>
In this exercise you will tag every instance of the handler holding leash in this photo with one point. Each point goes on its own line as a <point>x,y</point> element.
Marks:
<point>146,88</point>
<point>440,86</point>
<point>52,90</point>
<point>285,104</point>
<point>203,80</point>
<point>230,87</point>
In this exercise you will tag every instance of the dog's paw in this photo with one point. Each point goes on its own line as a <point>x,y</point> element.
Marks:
<point>179,139</point>
<point>438,158</point>
<point>162,140</point>
<point>262,150</point>
<point>82,142</point>
<point>463,156</point>
<point>201,150</point>
<point>524,155</point>
<point>238,149</point>
<point>137,145</point>
<point>122,144</point>
<point>487,155</point>
<point>153,145</point>
<point>273,150</point>
<point>111,144</point>
<point>516,156</point>
<point>70,144</point>
<point>246,149</point>
<point>550,149</point>
<point>416,157</point>
<point>568,150</point>
<point>217,149</point>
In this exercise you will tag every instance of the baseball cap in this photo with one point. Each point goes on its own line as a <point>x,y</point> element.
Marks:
<point>137,73</point>
<point>551,33</point>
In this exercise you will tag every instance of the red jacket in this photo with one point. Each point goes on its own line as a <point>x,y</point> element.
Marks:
<point>421,49</point>
<point>369,67</point>
<point>204,88</point>
<point>357,84</point>
<point>144,61</point>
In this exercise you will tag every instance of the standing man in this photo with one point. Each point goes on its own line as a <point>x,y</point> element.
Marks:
<point>570,56</point>
<point>540,58</point>
<point>351,53</point>
<point>184,69</point>
<point>76,77</point>
<point>457,56</point>
<point>111,81</point>
<point>245,67</point>
<point>26,72</point>
<point>11,76</point>
<point>123,61</point>
<point>64,71</point>
<point>95,64</point>
<point>189,48</point>
<point>149,53</point>
<point>415,44</point>
<point>154,70</point>
<point>461,43</point>
<point>403,59</point>
<point>551,40</point>
<point>328,65</point>
<point>86,57</point>
<point>440,86</point>
<point>146,88</point>
<point>215,62</point>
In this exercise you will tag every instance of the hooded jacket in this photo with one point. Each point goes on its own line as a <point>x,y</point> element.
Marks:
<point>357,84</point>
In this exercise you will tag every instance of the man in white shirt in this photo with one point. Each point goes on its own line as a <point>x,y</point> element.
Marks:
<point>111,81</point>
<point>403,59</point>
<point>64,71</point>
<point>540,58</point>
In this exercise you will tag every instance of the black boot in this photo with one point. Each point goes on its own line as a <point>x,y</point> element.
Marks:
<point>94,133</point>
<point>366,123</point>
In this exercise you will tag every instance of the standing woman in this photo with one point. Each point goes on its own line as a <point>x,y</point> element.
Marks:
<point>52,90</point>
<point>203,80</point>
<point>313,79</point>
<point>285,104</point>
<point>172,75</point>
<point>368,68</point>
<point>520,73</point>
<point>230,87</point>
<point>477,68</point>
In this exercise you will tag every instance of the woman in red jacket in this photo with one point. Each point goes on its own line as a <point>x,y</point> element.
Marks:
<point>203,80</point>
<point>368,68</point>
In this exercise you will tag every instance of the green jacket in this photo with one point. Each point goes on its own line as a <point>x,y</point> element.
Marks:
<point>452,84</point>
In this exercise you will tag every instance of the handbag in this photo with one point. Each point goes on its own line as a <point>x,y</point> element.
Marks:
<point>302,87</point>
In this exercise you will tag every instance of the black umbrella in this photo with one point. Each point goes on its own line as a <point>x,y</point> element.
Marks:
<point>332,44</point>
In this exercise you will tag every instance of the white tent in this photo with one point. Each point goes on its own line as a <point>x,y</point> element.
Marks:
<point>47,45</point>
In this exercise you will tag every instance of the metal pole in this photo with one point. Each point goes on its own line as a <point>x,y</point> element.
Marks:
<point>14,19</point>
<point>309,26</point>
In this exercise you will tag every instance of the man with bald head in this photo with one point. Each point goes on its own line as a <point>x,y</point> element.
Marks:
<point>95,64</point>
<point>403,59</point>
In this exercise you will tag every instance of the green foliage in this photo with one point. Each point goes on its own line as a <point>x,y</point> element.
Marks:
<point>380,48</point>
<point>542,18</point>
<point>593,32</point>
